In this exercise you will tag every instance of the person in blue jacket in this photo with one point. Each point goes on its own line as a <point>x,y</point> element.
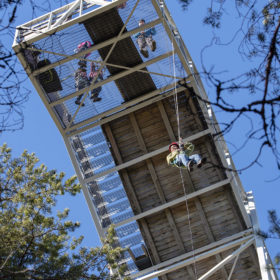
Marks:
<point>145,38</point>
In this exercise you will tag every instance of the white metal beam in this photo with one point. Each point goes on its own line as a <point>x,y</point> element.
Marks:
<point>233,266</point>
<point>264,259</point>
<point>231,256</point>
<point>97,2</point>
<point>187,259</point>
<point>85,190</point>
<point>40,31</point>
<point>110,79</point>
<point>93,48</point>
<point>74,6</point>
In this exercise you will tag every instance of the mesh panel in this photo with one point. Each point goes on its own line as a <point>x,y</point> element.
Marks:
<point>107,193</point>
<point>91,148</point>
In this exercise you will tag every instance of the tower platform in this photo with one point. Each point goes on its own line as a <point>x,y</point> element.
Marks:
<point>175,224</point>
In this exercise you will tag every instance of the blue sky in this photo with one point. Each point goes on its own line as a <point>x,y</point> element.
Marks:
<point>42,137</point>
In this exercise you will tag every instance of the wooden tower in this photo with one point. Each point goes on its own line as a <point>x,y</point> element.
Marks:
<point>175,224</point>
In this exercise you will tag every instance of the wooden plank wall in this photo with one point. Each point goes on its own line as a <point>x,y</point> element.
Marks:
<point>151,183</point>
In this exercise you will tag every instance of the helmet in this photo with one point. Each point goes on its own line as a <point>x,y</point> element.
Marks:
<point>173,143</point>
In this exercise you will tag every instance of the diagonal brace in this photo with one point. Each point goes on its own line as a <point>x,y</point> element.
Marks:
<point>105,60</point>
<point>227,259</point>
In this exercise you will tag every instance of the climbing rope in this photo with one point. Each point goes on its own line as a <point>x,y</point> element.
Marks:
<point>181,173</point>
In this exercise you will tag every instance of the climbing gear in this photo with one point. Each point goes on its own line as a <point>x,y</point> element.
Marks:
<point>173,143</point>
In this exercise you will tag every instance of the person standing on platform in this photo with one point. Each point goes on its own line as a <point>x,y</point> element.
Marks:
<point>92,75</point>
<point>145,38</point>
<point>81,79</point>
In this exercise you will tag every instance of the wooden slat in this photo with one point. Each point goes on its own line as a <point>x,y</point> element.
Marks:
<point>144,157</point>
<point>197,201</point>
<point>166,121</point>
<point>133,198</point>
<point>168,213</point>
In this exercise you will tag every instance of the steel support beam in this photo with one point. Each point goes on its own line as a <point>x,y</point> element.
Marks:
<point>93,48</point>
<point>264,259</point>
<point>200,254</point>
<point>85,190</point>
<point>112,78</point>
<point>43,21</point>
<point>74,6</point>
<point>233,266</point>
<point>227,259</point>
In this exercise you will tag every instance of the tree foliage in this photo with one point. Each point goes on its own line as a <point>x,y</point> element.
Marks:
<point>274,233</point>
<point>34,242</point>
<point>14,91</point>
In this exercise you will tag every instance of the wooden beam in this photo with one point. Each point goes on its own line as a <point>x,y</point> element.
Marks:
<point>196,200</point>
<point>146,156</point>
<point>129,188</point>
<point>132,197</point>
<point>166,121</point>
<point>173,202</point>
<point>205,223</point>
<point>168,213</point>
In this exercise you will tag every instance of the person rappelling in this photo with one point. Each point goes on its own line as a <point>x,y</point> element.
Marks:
<point>180,156</point>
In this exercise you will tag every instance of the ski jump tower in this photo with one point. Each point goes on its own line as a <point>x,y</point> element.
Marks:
<point>201,225</point>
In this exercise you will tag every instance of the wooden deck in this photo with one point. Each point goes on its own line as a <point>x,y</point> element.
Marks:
<point>150,183</point>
